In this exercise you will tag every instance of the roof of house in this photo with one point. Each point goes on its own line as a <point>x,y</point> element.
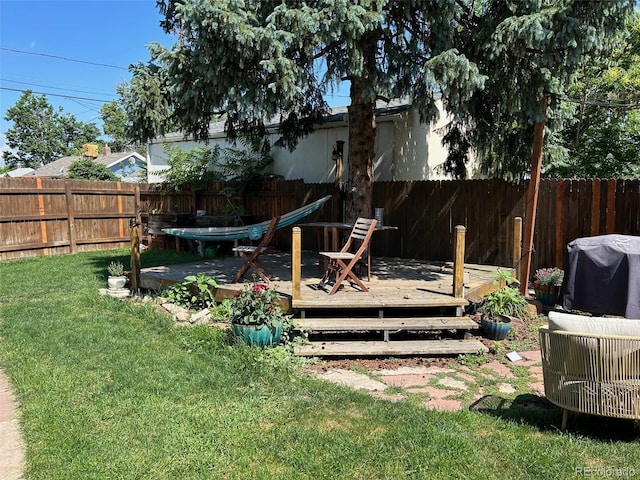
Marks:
<point>19,172</point>
<point>59,168</point>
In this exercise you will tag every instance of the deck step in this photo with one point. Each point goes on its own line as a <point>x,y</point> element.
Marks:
<point>380,348</point>
<point>388,324</point>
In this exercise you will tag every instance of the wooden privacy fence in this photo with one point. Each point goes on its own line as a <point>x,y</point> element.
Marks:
<point>42,216</point>
<point>60,216</point>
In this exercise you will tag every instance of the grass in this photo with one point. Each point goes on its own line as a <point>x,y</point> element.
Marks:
<point>110,389</point>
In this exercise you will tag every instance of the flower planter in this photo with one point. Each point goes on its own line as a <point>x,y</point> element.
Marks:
<point>116,283</point>
<point>496,328</point>
<point>547,294</point>
<point>258,335</point>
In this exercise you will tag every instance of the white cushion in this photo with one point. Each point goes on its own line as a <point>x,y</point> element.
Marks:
<point>626,327</point>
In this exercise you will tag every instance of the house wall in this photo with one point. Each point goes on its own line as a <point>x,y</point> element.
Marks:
<point>405,150</point>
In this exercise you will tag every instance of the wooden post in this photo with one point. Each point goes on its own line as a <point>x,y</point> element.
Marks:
<point>134,278</point>
<point>517,247</point>
<point>458,261</point>
<point>41,211</point>
<point>296,262</point>
<point>532,199</point>
<point>70,216</point>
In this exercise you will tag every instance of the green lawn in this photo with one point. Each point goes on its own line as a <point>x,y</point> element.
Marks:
<point>111,390</point>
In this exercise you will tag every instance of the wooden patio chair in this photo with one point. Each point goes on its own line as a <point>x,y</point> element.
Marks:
<point>251,254</point>
<point>341,263</point>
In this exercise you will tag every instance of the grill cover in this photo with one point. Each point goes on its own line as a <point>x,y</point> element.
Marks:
<point>602,275</point>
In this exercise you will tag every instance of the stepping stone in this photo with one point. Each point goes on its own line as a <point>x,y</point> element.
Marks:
<point>453,383</point>
<point>405,381</point>
<point>506,388</point>
<point>352,379</point>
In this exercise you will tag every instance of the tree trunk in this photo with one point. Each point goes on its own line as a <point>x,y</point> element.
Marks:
<point>362,136</point>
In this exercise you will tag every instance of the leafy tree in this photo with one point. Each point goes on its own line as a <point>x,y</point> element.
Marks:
<point>87,169</point>
<point>74,134</point>
<point>603,139</point>
<point>490,61</point>
<point>40,135</point>
<point>34,135</point>
<point>114,120</point>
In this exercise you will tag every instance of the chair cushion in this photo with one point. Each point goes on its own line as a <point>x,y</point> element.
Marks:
<point>568,322</point>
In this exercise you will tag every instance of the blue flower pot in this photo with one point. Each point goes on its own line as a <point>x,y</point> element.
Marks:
<point>496,328</point>
<point>258,335</point>
<point>547,294</point>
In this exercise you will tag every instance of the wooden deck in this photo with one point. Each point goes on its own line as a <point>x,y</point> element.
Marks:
<point>395,283</point>
<point>409,308</point>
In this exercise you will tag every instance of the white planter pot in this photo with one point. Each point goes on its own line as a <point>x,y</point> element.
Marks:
<point>116,282</point>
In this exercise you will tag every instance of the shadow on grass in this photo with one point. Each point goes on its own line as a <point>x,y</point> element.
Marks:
<point>540,413</point>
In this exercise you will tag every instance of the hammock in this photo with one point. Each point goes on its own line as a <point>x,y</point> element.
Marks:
<point>253,232</point>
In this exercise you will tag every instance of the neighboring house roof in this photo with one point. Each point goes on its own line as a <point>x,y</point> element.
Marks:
<point>19,172</point>
<point>59,168</point>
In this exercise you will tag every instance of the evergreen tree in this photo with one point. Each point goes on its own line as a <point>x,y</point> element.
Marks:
<point>489,60</point>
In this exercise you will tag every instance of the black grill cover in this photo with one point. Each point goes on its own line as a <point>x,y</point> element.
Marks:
<point>602,275</point>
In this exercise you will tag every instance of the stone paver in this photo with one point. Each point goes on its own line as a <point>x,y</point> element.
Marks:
<point>405,381</point>
<point>352,379</point>
<point>452,383</point>
<point>506,388</point>
<point>11,444</point>
<point>499,369</point>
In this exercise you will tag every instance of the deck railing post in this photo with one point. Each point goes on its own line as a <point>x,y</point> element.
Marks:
<point>296,262</point>
<point>517,247</point>
<point>458,261</point>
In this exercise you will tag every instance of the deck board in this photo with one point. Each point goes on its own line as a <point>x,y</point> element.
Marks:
<point>366,324</point>
<point>381,348</point>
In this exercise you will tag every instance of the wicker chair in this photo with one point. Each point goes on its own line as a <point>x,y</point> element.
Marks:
<point>590,372</point>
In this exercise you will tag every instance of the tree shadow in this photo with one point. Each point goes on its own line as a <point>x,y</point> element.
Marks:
<point>540,413</point>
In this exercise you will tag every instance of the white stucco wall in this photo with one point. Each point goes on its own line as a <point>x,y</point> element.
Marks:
<point>405,150</point>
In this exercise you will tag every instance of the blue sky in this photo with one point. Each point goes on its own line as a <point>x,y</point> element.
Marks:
<point>108,32</point>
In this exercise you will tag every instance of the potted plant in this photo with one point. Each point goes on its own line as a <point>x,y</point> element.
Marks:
<point>547,284</point>
<point>256,315</point>
<point>497,309</point>
<point>117,278</point>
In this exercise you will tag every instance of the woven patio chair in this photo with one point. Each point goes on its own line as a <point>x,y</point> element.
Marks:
<point>591,372</point>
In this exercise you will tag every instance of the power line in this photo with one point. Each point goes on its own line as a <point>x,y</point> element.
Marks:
<point>63,58</point>
<point>57,88</point>
<point>57,95</point>
<point>600,102</point>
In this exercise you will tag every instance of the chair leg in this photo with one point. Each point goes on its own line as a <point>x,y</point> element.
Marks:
<point>565,419</point>
<point>345,271</point>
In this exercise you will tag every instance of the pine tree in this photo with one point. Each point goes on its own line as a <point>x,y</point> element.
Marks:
<point>489,60</point>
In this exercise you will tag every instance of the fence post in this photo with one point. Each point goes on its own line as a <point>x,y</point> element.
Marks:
<point>458,261</point>
<point>134,277</point>
<point>70,216</point>
<point>517,247</point>
<point>296,262</point>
